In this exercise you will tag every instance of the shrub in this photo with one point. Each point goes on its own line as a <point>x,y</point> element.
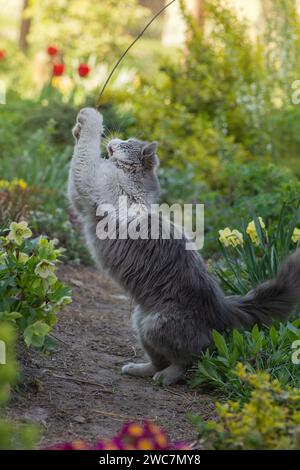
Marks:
<point>241,190</point>
<point>227,98</point>
<point>250,257</point>
<point>256,255</point>
<point>269,419</point>
<point>31,294</point>
<point>12,435</point>
<point>61,224</point>
<point>261,349</point>
<point>15,198</point>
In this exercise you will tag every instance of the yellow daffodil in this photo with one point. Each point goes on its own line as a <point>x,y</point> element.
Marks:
<point>224,236</point>
<point>230,237</point>
<point>18,232</point>
<point>296,235</point>
<point>22,184</point>
<point>251,230</point>
<point>13,184</point>
<point>236,238</point>
<point>4,184</point>
<point>63,84</point>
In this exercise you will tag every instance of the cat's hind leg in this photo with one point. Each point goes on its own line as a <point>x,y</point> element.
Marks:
<point>170,375</point>
<point>147,369</point>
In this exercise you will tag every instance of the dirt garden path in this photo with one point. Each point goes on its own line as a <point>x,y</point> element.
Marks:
<point>78,391</point>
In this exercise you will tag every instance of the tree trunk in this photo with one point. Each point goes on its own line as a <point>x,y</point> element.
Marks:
<point>153,5</point>
<point>174,29</point>
<point>25,28</point>
<point>196,7</point>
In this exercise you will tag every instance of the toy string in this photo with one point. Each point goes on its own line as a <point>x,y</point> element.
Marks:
<point>127,50</point>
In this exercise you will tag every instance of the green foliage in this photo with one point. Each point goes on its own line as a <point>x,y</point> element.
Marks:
<point>241,190</point>
<point>15,198</point>
<point>256,258</point>
<point>84,27</point>
<point>41,156</point>
<point>251,257</point>
<point>40,164</point>
<point>228,98</point>
<point>269,419</point>
<point>31,294</point>
<point>60,224</point>
<point>12,435</point>
<point>261,349</point>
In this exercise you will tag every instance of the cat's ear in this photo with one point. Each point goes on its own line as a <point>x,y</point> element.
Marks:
<point>149,156</point>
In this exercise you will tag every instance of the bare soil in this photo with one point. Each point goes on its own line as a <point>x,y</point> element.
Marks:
<point>78,392</point>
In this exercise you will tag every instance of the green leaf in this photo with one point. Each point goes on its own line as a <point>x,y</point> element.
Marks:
<point>34,335</point>
<point>273,335</point>
<point>220,344</point>
<point>10,316</point>
<point>255,333</point>
<point>238,340</point>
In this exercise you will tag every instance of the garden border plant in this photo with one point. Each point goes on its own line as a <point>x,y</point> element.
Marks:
<point>252,256</point>
<point>31,295</point>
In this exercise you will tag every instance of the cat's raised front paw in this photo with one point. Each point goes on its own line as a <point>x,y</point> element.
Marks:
<point>90,117</point>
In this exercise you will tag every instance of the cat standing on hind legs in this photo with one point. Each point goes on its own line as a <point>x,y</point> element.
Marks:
<point>177,302</point>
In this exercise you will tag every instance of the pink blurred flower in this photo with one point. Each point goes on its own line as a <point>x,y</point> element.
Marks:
<point>133,436</point>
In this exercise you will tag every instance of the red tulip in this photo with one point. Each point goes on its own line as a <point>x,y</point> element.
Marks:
<point>2,54</point>
<point>52,51</point>
<point>58,69</point>
<point>83,70</point>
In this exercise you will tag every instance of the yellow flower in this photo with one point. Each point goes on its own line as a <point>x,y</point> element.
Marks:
<point>296,235</point>
<point>63,84</point>
<point>22,184</point>
<point>236,238</point>
<point>251,230</point>
<point>18,232</point>
<point>145,444</point>
<point>135,430</point>
<point>224,236</point>
<point>230,237</point>
<point>11,185</point>
<point>4,184</point>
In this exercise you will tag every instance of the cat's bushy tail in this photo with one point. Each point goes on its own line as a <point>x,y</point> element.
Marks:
<point>273,299</point>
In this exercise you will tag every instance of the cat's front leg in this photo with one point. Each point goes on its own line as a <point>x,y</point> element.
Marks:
<point>86,159</point>
<point>145,369</point>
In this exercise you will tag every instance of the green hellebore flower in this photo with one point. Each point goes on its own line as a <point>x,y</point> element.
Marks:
<point>18,232</point>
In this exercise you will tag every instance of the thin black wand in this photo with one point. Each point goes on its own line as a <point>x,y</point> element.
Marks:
<point>128,49</point>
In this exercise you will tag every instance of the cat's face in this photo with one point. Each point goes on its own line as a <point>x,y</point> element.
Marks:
<point>133,154</point>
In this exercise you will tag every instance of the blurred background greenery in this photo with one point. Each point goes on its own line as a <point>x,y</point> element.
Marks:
<point>211,80</point>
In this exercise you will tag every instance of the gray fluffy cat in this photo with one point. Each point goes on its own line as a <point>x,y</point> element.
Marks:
<point>177,302</point>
